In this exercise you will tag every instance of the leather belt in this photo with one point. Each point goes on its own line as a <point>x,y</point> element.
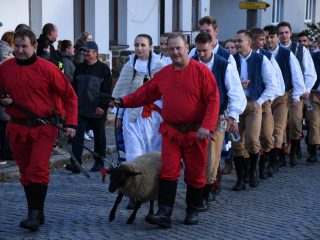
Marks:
<point>184,127</point>
<point>31,122</point>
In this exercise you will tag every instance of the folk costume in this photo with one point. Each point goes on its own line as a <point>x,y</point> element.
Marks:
<point>232,104</point>
<point>40,87</point>
<point>140,125</point>
<point>262,87</point>
<point>190,101</point>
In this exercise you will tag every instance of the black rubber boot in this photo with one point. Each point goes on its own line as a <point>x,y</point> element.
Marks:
<point>167,195</point>
<point>254,180</point>
<point>204,204</point>
<point>193,199</point>
<point>298,150</point>
<point>246,170</point>
<point>273,166</point>
<point>282,158</point>
<point>36,194</point>
<point>98,165</point>
<point>313,154</point>
<point>239,166</point>
<point>293,150</point>
<point>262,165</point>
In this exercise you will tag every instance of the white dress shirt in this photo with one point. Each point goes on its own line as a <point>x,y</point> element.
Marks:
<point>279,78</point>
<point>268,77</point>
<point>236,98</point>
<point>309,73</point>
<point>299,87</point>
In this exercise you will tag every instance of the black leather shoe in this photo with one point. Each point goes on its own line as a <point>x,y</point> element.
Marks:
<point>191,217</point>
<point>240,185</point>
<point>97,167</point>
<point>33,221</point>
<point>73,168</point>
<point>162,218</point>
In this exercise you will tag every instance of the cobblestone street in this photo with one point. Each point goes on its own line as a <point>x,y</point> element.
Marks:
<point>283,207</point>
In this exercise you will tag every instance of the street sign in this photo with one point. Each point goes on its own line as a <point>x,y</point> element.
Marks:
<point>254,5</point>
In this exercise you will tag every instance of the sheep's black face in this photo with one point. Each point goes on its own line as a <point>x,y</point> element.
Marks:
<point>117,179</point>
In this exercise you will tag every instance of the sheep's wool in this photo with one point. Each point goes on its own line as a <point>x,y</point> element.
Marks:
<point>143,186</point>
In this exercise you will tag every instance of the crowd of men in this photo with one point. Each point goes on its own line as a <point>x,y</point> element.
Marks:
<point>265,93</point>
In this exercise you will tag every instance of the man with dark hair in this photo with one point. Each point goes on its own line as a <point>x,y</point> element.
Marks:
<point>258,81</point>
<point>91,80</point>
<point>190,112</point>
<point>209,24</point>
<point>39,87</point>
<point>267,123</point>
<point>232,104</point>
<point>294,89</point>
<point>303,38</point>
<point>310,77</point>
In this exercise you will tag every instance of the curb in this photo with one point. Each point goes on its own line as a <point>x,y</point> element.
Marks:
<point>56,162</point>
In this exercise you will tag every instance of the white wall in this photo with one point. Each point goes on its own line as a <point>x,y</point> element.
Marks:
<point>12,13</point>
<point>143,17</point>
<point>186,15</point>
<point>168,16</point>
<point>295,14</point>
<point>102,25</point>
<point>229,17</point>
<point>59,12</point>
<point>204,8</point>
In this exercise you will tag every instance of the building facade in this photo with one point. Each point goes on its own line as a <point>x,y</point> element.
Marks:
<point>115,23</point>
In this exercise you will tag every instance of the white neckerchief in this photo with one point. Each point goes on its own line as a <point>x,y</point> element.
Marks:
<point>141,66</point>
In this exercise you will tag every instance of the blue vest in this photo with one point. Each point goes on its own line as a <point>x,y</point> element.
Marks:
<point>254,63</point>
<point>266,53</point>
<point>219,71</point>
<point>223,53</point>
<point>316,61</point>
<point>283,59</point>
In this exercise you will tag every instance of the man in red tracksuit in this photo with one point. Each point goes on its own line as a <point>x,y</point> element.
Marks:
<point>190,112</point>
<point>38,86</point>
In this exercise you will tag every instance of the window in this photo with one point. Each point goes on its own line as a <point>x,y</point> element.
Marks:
<point>310,5</point>
<point>277,11</point>
<point>175,15</point>
<point>195,14</point>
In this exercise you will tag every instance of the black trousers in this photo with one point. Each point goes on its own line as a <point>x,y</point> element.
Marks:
<point>98,127</point>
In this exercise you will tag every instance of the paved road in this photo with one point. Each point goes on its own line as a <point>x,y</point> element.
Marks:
<point>283,207</point>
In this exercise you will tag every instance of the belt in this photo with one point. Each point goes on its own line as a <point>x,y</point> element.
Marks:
<point>31,122</point>
<point>184,127</point>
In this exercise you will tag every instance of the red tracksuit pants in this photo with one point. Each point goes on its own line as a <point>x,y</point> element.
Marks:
<point>32,151</point>
<point>177,146</point>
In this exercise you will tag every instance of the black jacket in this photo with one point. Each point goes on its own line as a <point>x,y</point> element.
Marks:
<point>91,83</point>
<point>68,65</point>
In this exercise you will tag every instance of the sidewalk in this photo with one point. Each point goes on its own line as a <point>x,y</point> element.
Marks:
<point>10,169</point>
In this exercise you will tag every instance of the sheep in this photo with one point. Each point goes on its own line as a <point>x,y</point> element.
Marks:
<point>138,178</point>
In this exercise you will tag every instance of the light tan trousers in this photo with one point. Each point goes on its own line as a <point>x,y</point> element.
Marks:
<point>314,118</point>
<point>249,128</point>
<point>267,126</point>
<point>214,155</point>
